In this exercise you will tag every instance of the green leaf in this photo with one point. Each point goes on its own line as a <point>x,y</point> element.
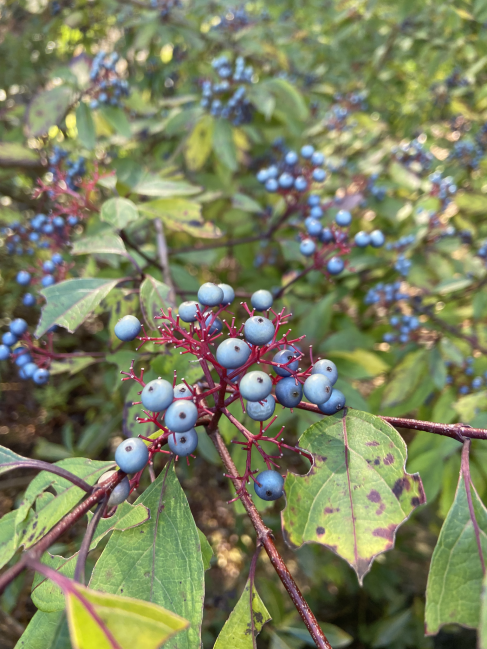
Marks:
<point>199,144</point>
<point>470,405</point>
<point>206,550</point>
<point>152,185</point>
<point>154,296</point>
<point>85,126</point>
<point>8,544</point>
<point>160,562</point>
<point>288,99</point>
<point>245,203</point>
<point>101,243</point>
<point>119,212</point>
<point>129,622</point>
<point>455,576</point>
<point>117,119</point>
<point>69,303</point>
<point>451,285</point>
<point>357,492</point>
<point>372,363</point>
<point>482,631</point>
<point>7,456</point>
<point>72,365</point>
<point>180,215</point>
<point>13,153</point>
<point>224,145</point>
<point>46,595</point>
<point>403,177</point>
<point>46,631</point>
<point>47,109</point>
<point>471,203</point>
<point>237,632</point>
<point>404,379</point>
<point>337,637</point>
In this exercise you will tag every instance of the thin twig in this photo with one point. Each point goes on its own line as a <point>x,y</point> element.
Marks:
<point>79,571</point>
<point>163,258</point>
<point>51,468</point>
<point>465,469</point>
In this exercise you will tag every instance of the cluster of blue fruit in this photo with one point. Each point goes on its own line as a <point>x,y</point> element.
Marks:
<point>413,154</point>
<point>236,19</point>
<point>20,355</point>
<point>468,154</point>
<point>109,88</point>
<point>75,169</point>
<point>336,118</point>
<point>180,407</point>
<point>227,98</point>
<point>385,294</point>
<point>482,252</point>
<point>41,232</point>
<point>404,326</point>
<point>294,174</point>
<point>377,191</point>
<point>475,382</point>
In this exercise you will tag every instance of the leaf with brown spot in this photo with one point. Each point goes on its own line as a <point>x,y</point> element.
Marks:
<point>357,501</point>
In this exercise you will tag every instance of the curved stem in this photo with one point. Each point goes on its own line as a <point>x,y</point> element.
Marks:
<point>162,251</point>
<point>52,468</point>
<point>79,571</point>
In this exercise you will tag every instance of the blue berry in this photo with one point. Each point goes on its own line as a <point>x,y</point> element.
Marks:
<point>27,371</point>
<point>127,328</point>
<point>181,391</point>
<point>232,353</point>
<point>362,239</point>
<point>377,239</point>
<point>258,330</point>
<point>335,265</point>
<point>48,266</point>
<point>216,324</point>
<point>181,416</point>
<point>255,386</point>
<point>4,352</point>
<point>260,411</point>
<point>262,300</point>
<point>314,200</point>
<point>228,294</point>
<point>286,180</point>
<point>335,403</point>
<point>317,388</point>
<point>48,280</point>
<point>9,339</point>
<point>307,151</point>
<point>23,358</point>
<point>272,185</point>
<point>327,368</point>
<point>23,278</point>
<point>28,299</point>
<point>291,158</point>
<point>157,395</point>
<point>18,326</point>
<point>307,247</point>
<point>262,176</point>
<point>326,236</point>
<point>317,159</point>
<point>57,258</point>
<point>183,444</point>
<point>313,226</point>
<point>288,392</point>
<point>319,175</point>
<point>40,376</point>
<point>283,357</point>
<point>343,218</point>
<point>316,212</point>
<point>210,294</point>
<point>300,184</point>
<point>132,455</point>
<point>188,311</point>
<point>119,494</point>
<point>269,485</point>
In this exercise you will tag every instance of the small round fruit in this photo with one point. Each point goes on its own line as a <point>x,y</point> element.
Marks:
<point>307,151</point>
<point>313,226</point>
<point>181,391</point>
<point>335,265</point>
<point>183,444</point>
<point>262,300</point>
<point>28,300</point>
<point>317,388</point>
<point>271,185</point>
<point>132,455</point>
<point>377,239</point>
<point>40,376</point>
<point>343,218</point>
<point>210,294</point>
<point>23,358</point>
<point>327,368</point>
<point>188,311</point>
<point>28,370</point>
<point>9,339</point>
<point>300,184</point>
<point>269,485</point>
<point>4,352</point>
<point>157,395</point>
<point>258,330</point>
<point>48,266</point>
<point>181,416</point>
<point>23,278</point>
<point>18,326</point>
<point>307,247</point>
<point>291,158</point>
<point>119,494</point>
<point>286,180</point>
<point>128,328</point>
<point>260,411</point>
<point>326,236</point>
<point>317,158</point>
<point>48,280</point>
<point>319,175</point>
<point>232,353</point>
<point>288,392</point>
<point>362,239</point>
<point>57,258</point>
<point>285,357</point>
<point>335,403</point>
<point>255,386</point>
<point>215,324</point>
<point>228,294</point>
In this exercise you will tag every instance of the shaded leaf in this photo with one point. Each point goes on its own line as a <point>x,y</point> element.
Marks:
<point>155,186</point>
<point>154,296</point>
<point>101,243</point>
<point>72,365</point>
<point>181,215</point>
<point>46,631</point>
<point>224,145</point>
<point>404,379</point>
<point>13,153</point>
<point>337,637</point>
<point>47,109</point>
<point>288,98</point>
<point>8,544</point>
<point>403,177</point>
<point>357,492</point>
<point>206,550</point>
<point>69,303</point>
<point>117,119</point>
<point>7,456</point>
<point>119,212</point>
<point>245,203</point>
<point>199,144</point>
<point>85,126</point>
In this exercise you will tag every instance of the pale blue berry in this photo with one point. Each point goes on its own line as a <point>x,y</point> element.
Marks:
<point>157,395</point>
<point>181,416</point>
<point>132,455</point>
<point>317,388</point>
<point>258,330</point>
<point>260,411</point>
<point>269,485</point>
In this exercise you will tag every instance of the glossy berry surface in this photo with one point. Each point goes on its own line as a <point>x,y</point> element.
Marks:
<point>258,330</point>
<point>157,395</point>
<point>183,444</point>
<point>269,485</point>
<point>255,386</point>
<point>4,352</point>
<point>343,218</point>
<point>40,376</point>
<point>362,239</point>
<point>232,353</point>
<point>28,370</point>
<point>260,411</point>
<point>132,455</point>
<point>119,494</point>
<point>307,247</point>
<point>285,357</point>
<point>288,392</point>
<point>228,294</point>
<point>23,359</point>
<point>377,239</point>
<point>128,328</point>
<point>18,326</point>
<point>262,300</point>
<point>327,368</point>
<point>28,299</point>
<point>215,325</point>
<point>9,339</point>
<point>181,391</point>
<point>210,294</point>
<point>23,278</point>
<point>317,388</point>
<point>335,403</point>
<point>47,280</point>
<point>188,311</point>
<point>335,265</point>
<point>181,416</point>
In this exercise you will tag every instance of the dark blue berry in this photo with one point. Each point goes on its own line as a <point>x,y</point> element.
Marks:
<point>288,392</point>
<point>183,444</point>
<point>269,485</point>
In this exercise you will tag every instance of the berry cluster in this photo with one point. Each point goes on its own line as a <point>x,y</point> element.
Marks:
<point>293,175</point>
<point>231,371</point>
<point>413,156</point>
<point>29,367</point>
<point>378,192</point>
<point>74,169</point>
<point>227,98</point>
<point>108,87</point>
<point>336,118</point>
<point>468,154</point>
<point>463,377</point>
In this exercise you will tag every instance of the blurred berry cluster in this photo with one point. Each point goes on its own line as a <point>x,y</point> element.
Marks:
<point>227,98</point>
<point>108,86</point>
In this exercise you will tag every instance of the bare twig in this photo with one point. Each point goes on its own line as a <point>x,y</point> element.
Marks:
<point>52,468</point>
<point>163,257</point>
<point>79,571</point>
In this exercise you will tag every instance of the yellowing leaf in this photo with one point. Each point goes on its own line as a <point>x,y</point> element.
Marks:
<point>199,144</point>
